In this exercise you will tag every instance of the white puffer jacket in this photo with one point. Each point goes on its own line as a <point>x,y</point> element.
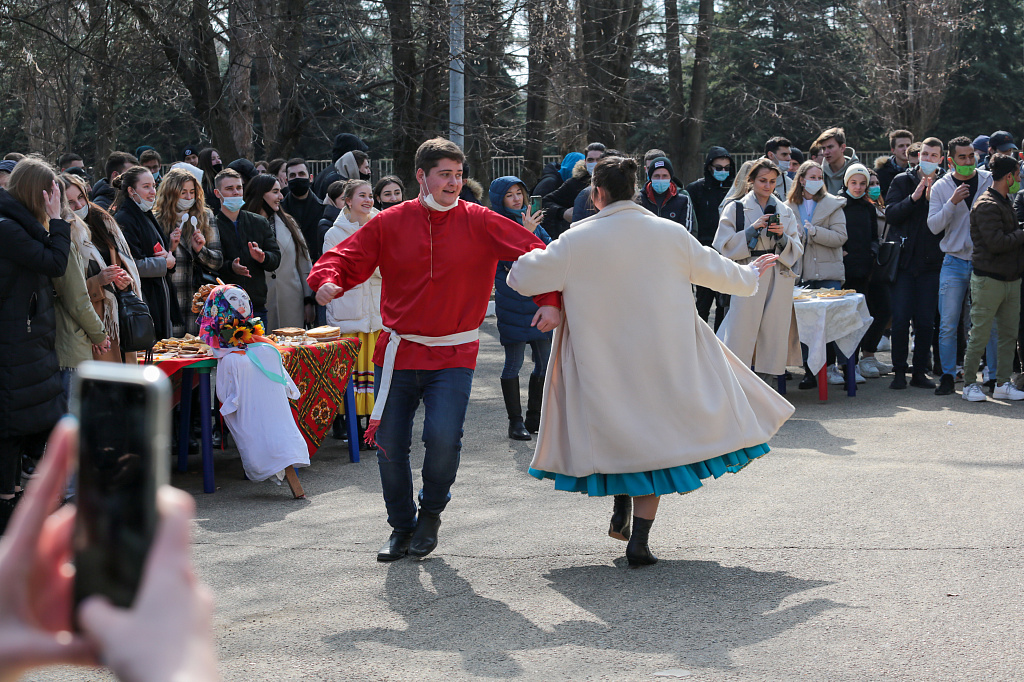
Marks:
<point>359,309</point>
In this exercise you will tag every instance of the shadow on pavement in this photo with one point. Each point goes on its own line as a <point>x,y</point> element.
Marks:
<point>698,610</point>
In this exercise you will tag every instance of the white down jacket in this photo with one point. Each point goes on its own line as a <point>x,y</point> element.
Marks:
<point>359,309</point>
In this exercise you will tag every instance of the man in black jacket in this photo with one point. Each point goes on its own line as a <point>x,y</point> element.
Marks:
<point>302,203</point>
<point>706,194</point>
<point>247,241</point>
<point>558,205</point>
<point>915,293</point>
<point>103,192</point>
<point>898,162</point>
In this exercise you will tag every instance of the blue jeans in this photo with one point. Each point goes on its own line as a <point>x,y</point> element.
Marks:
<point>445,396</point>
<point>954,286</point>
<point>515,353</point>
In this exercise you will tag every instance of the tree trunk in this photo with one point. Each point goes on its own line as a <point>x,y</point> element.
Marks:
<point>404,116</point>
<point>690,159</point>
<point>539,66</point>
<point>292,121</point>
<point>674,59</point>
<point>241,17</point>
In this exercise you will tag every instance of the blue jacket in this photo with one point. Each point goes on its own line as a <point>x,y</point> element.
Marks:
<point>515,311</point>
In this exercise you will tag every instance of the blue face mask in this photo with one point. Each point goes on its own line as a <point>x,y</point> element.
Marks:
<point>928,167</point>
<point>232,204</point>
<point>720,175</point>
<point>660,186</point>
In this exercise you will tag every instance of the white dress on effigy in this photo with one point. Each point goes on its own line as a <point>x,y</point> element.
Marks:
<point>256,411</point>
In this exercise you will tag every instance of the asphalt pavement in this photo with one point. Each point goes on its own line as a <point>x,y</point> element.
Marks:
<point>879,540</point>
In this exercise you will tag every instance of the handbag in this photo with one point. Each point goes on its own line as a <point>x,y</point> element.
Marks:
<point>888,258</point>
<point>135,325</point>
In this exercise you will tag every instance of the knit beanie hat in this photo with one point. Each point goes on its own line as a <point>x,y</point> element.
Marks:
<point>660,162</point>
<point>856,169</point>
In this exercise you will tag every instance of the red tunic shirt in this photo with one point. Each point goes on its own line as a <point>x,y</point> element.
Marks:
<point>437,271</point>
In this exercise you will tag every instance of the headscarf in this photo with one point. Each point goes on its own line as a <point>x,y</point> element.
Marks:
<point>227,318</point>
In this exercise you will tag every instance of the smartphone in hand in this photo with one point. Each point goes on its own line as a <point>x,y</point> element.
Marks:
<point>123,413</point>
<point>535,204</point>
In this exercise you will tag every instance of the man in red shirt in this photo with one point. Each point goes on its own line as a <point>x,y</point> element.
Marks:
<point>437,256</point>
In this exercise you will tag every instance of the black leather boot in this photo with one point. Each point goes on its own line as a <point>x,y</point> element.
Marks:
<point>338,428</point>
<point>514,407</point>
<point>424,539</point>
<point>396,547</point>
<point>637,551</point>
<point>533,402</point>
<point>622,516</point>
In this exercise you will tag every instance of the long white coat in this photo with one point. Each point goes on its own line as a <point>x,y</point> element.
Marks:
<point>637,381</point>
<point>359,309</point>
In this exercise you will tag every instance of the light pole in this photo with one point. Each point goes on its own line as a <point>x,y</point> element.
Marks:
<point>457,75</point>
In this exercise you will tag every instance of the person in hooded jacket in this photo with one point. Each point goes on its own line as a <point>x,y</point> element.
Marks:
<point>562,200</point>
<point>344,143</point>
<point>554,174</point>
<point>36,242</point>
<point>664,198</point>
<point>353,165</point>
<point>515,314</point>
<point>706,195</point>
<point>133,211</point>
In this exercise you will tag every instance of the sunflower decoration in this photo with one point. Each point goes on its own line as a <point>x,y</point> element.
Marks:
<point>227,320</point>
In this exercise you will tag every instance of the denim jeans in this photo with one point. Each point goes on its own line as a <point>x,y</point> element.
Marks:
<point>915,297</point>
<point>515,354</point>
<point>954,285</point>
<point>445,396</point>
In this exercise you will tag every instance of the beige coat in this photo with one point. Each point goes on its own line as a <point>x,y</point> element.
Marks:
<point>757,329</point>
<point>637,381</point>
<point>823,240</point>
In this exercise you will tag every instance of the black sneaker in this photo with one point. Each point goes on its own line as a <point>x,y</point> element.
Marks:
<point>809,381</point>
<point>946,385</point>
<point>899,381</point>
<point>921,380</point>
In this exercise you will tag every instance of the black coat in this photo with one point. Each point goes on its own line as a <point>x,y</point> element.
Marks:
<point>102,194</point>
<point>31,395</point>
<point>550,180</point>
<point>861,245</point>
<point>331,213</point>
<point>707,195</point>
<point>908,219</point>
<point>234,244</point>
<point>143,233</point>
<point>555,203</point>
<point>887,173</point>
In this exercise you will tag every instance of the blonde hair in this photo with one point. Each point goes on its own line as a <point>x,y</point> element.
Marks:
<point>796,192</point>
<point>27,182</point>
<point>739,183</point>
<point>165,209</point>
<point>755,167</point>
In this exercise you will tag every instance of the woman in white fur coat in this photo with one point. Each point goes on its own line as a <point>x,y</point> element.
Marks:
<point>632,429</point>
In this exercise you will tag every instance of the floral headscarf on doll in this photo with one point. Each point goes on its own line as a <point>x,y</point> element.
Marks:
<point>226,319</point>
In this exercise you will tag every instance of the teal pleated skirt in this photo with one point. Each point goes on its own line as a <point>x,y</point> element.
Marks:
<point>680,479</point>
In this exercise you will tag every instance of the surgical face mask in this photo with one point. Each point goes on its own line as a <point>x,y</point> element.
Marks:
<point>82,212</point>
<point>965,171</point>
<point>434,205</point>
<point>720,175</point>
<point>184,204</point>
<point>875,192</point>
<point>298,186</point>
<point>590,166</point>
<point>660,186</point>
<point>232,204</point>
<point>143,204</point>
<point>855,196</point>
<point>928,167</point>
<point>813,186</point>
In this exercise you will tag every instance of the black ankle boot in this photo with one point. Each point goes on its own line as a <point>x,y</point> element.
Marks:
<point>637,551</point>
<point>424,538</point>
<point>514,407</point>
<point>622,515</point>
<point>533,403</point>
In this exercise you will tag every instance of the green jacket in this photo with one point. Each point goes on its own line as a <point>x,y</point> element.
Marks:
<point>78,325</point>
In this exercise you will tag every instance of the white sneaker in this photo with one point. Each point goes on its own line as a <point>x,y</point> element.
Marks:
<point>858,378</point>
<point>973,393</point>
<point>1007,391</point>
<point>884,344</point>
<point>867,368</point>
<point>984,375</point>
<point>835,377</point>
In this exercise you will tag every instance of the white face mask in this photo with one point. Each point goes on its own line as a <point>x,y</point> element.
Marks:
<point>143,204</point>
<point>813,186</point>
<point>434,205</point>
<point>82,212</point>
<point>185,204</point>
<point>590,166</point>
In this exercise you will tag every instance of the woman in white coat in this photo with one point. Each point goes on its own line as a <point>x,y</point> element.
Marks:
<point>757,328</point>
<point>633,430</point>
<point>357,313</point>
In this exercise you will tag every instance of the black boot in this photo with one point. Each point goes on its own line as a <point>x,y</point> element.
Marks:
<point>533,403</point>
<point>424,539</point>
<point>396,547</point>
<point>637,551</point>
<point>622,516</point>
<point>514,407</point>
<point>338,428</point>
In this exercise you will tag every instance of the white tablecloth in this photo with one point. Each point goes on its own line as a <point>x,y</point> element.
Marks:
<point>820,320</point>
